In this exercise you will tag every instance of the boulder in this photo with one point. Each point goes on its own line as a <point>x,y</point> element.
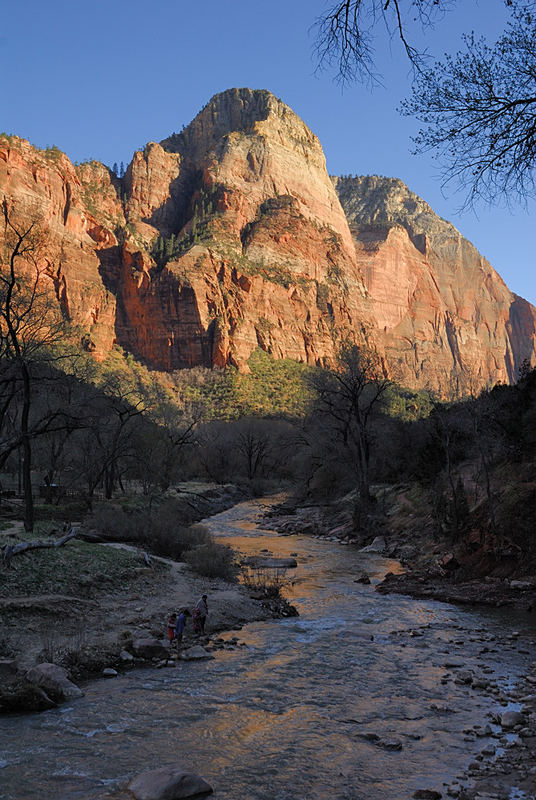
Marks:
<point>195,653</point>
<point>149,648</point>
<point>19,695</point>
<point>55,681</point>
<point>363,578</point>
<point>8,667</point>
<point>449,562</point>
<point>512,718</point>
<point>378,545</point>
<point>168,783</point>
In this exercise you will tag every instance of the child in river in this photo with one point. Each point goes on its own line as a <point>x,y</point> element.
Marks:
<point>171,626</point>
<point>180,624</point>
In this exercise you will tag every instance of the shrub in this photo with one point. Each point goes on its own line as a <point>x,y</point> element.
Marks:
<point>269,581</point>
<point>213,560</point>
<point>114,523</point>
<point>175,542</point>
<point>157,531</point>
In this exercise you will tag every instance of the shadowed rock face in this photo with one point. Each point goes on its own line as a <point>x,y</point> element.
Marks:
<point>230,235</point>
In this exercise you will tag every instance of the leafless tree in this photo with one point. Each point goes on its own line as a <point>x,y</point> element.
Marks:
<point>32,332</point>
<point>479,113</point>
<point>346,32</point>
<point>347,397</point>
<point>478,106</point>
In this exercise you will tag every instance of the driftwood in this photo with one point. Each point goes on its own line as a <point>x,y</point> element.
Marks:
<point>11,550</point>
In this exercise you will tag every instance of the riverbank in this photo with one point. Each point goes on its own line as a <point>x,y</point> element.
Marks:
<point>506,769</point>
<point>401,527</point>
<point>93,607</point>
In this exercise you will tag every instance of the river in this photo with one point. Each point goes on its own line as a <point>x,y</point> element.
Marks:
<point>287,715</point>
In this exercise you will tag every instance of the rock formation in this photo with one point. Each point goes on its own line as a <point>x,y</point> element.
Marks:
<point>231,236</point>
<point>445,316</point>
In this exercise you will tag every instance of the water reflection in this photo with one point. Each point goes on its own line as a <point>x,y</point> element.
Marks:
<point>297,712</point>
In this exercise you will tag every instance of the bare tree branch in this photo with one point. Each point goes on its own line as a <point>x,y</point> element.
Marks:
<point>11,550</point>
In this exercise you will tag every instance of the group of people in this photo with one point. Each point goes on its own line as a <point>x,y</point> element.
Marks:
<point>176,623</point>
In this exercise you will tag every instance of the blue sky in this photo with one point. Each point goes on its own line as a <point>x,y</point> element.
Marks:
<point>100,80</point>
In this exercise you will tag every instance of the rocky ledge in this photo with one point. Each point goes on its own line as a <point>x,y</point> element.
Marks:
<point>519,594</point>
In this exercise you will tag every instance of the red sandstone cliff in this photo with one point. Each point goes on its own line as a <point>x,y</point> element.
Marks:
<point>230,236</point>
<point>445,317</point>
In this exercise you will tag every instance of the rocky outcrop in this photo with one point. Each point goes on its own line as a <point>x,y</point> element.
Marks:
<point>445,317</point>
<point>230,236</point>
<point>78,210</point>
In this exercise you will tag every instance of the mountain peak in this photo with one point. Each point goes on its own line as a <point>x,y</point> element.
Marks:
<point>238,110</point>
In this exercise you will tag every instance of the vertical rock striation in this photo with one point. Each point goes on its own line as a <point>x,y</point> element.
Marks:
<point>446,318</point>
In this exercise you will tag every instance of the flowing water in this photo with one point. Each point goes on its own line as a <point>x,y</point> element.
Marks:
<point>286,715</point>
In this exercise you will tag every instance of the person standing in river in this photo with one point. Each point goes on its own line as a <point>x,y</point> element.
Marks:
<point>200,614</point>
<point>171,623</point>
<point>179,627</point>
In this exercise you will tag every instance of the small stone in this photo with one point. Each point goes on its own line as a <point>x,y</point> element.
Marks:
<point>390,744</point>
<point>110,672</point>
<point>464,677</point>
<point>124,655</point>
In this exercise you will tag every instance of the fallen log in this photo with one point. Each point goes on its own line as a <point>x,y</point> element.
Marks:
<point>11,550</point>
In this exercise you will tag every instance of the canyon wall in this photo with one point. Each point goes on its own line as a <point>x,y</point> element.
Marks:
<point>231,236</point>
<point>440,307</point>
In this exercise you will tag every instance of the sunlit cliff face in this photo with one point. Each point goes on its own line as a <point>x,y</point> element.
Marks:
<point>231,236</point>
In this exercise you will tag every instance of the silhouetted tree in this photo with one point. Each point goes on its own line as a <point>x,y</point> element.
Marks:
<point>478,106</point>
<point>479,109</point>
<point>346,32</point>
<point>347,396</point>
<point>31,331</point>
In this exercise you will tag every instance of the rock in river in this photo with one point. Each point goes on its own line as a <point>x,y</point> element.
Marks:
<point>195,653</point>
<point>54,680</point>
<point>168,783</point>
<point>378,546</point>
<point>512,718</point>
